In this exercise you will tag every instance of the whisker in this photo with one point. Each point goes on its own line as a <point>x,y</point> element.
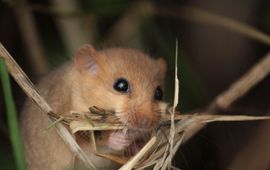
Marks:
<point>159,110</point>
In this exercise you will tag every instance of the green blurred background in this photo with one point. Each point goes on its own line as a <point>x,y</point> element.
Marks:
<point>210,58</point>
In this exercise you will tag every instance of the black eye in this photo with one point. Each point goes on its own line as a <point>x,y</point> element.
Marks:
<point>121,85</point>
<point>158,93</point>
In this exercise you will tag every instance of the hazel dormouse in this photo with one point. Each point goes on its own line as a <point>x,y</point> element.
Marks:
<point>125,81</point>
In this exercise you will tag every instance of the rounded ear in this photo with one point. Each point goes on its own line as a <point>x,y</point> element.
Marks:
<point>85,59</point>
<point>162,64</point>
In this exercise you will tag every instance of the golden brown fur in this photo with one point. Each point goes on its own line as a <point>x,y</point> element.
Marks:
<point>88,81</point>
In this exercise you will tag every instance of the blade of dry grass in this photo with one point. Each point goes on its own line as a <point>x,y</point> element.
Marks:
<point>83,125</point>
<point>54,123</point>
<point>214,117</point>
<point>222,118</point>
<point>166,163</point>
<point>175,103</point>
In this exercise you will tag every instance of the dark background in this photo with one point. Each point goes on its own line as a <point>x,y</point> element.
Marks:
<point>211,58</point>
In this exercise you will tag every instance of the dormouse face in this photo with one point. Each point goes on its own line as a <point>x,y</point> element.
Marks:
<point>126,81</point>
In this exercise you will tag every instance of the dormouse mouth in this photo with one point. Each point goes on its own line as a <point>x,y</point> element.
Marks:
<point>134,148</point>
<point>129,141</point>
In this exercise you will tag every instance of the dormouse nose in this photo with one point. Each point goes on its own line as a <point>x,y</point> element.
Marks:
<point>142,121</point>
<point>143,116</point>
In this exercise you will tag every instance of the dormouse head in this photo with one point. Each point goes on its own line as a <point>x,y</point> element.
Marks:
<point>126,81</point>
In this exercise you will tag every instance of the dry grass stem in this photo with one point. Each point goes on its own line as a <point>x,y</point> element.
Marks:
<point>30,37</point>
<point>175,103</point>
<point>77,126</point>
<point>257,73</point>
<point>205,117</point>
<point>23,81</point>
<point>198,15</point>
